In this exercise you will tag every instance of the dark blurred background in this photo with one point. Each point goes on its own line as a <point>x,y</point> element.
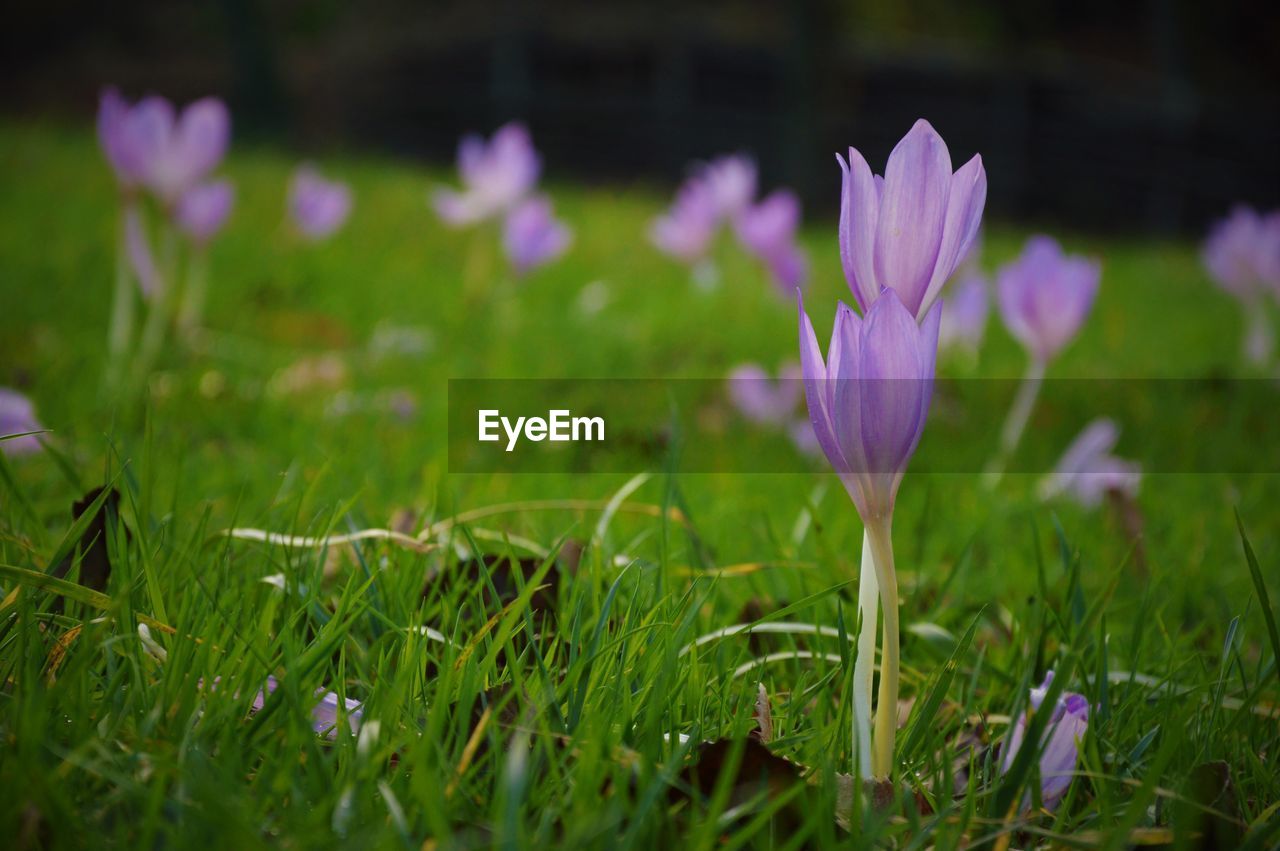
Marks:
<point>1147,116</point>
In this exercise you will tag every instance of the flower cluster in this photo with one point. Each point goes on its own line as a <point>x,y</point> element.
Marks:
<point>723,191</point>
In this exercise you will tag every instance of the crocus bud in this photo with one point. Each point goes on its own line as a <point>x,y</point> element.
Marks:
<point>767,230</point>
<point>1045,295</point>
<point>868,402</point>
<point>686,230</point>
<point>496,175</point>
<point>1061,742</point>
<point>318,206</point>
<point>761,399</point>
<point>908,230</point>
<point>1088,470</point>
<point>532,236</point>
<point>965,319</point>
<point>203,210</point>
<point>18,416</point>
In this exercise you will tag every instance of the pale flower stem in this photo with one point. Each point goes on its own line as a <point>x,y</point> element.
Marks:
<point>121,330</point>
<point>160,309</point>
<point>1016,423</point>
<point>864,663</point>
<point>880,535</point>
<point>191,312</point>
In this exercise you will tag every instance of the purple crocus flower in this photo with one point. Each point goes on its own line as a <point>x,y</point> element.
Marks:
<point>203,210</point>
<point>1088,470</point>
<point>1235,252</point>
<point>965,319</point>
<point>686,230</point>
<point>869,400</point>
<point>496,175</point>
<point>533,236</point>
<point>1061,742</point>
<point>732,181</point>
<point>1045,295</point>
<point>318,206</point>
<point>908,230</point>
<point>768,231</point>
<point>324,715</point>
<point>18,416</point>
<point>167,152</point>
<point>761,399</point>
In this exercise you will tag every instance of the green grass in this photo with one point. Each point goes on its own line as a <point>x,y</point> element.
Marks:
<point>580,747</point>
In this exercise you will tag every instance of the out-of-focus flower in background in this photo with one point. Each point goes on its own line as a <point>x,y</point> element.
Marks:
<point>732,181</point>
<point>203,210</point>
<point>761,399</point>
<point>910,229</point>
<point>1061,742</point>
<point>686,230</point>
<point>532,236</point>
<point>964,318</point>
<point>496,175</point>
<point>1045,295</point>
<point>318,206</point>
<point>1242,255</point>
<point>768,231</point>
<point>167,151</point>
<point>18,416</point>
<point>1088,471</point>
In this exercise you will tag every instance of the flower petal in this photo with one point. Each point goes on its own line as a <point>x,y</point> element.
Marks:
<point>965,202</point>
<point>917,183</point>
<point>859,212</point>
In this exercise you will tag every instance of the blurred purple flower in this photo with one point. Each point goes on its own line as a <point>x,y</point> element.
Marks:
<point>1045,295</point>
<point>318,206</point>
<point>732,181</point>
<point>768,231</point>
<point>965,320</point>
<point>496,175</point>
<point>149,144</point>
<point>869,401</point>
<point>138,252</point>
<point>1242,253</point>
<point>686,230</point>
<point>910,229</point>
<point>1088,470</point>
<point>761,399</point>
<point>1061,742</point>
<point>203,210</point>
<point>17,416</point>
<point>804,439</point>
<point>533,236</point>
<point>324,715</point>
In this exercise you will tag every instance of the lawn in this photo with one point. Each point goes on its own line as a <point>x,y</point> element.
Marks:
<point>560,707</point>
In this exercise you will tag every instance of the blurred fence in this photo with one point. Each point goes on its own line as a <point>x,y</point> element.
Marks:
<point>638,90</point>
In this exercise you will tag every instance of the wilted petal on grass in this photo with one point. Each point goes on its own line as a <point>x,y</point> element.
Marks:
<point>17,416</point>
<point>324,714</point>
<point>532,236</point>
<point>763,400</point>
<point>1061,743</point>
<point>203,210</point>
<point>1045,295</point>
<point>318,206</point>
